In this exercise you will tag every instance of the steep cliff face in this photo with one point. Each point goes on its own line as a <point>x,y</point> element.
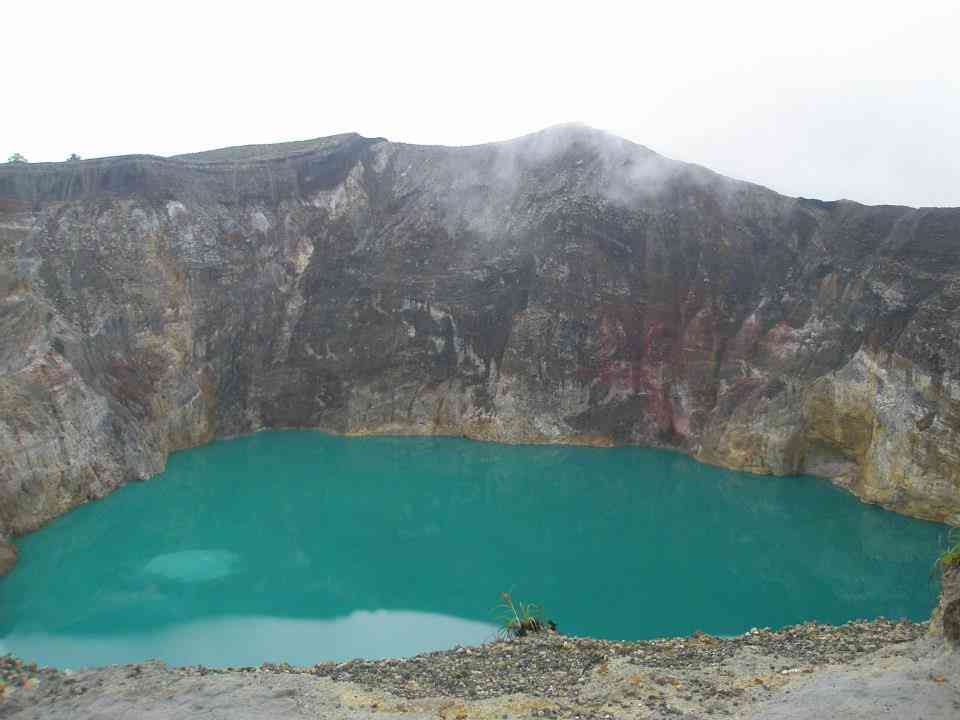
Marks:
<point>568,286</point>
<point>945,620</point>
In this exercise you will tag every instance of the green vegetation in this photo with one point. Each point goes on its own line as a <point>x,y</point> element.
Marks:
<point>517,618</point>
<point>950,557</point>
<point>16,158</point>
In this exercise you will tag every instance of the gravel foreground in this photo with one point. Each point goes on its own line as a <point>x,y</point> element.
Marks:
<point>878,669</point>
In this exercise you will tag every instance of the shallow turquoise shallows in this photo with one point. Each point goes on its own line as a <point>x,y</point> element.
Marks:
<point>301,547</point>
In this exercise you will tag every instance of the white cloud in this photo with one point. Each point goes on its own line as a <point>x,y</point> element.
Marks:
<point>825,99</point>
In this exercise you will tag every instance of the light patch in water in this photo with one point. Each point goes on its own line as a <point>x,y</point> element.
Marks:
<point>253,639</point>
<point>189,566</point>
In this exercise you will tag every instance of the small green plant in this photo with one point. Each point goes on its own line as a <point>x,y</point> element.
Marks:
<point>16,158</point>
<point>518,618</point>
<point>950,557</point>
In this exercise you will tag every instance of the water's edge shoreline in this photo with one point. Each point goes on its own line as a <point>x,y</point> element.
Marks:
<point>764,673</point>
<point>758,674</point>
<point>8,550</point>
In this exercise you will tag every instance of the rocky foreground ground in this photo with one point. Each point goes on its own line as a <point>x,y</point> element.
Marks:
<point>877,669</point>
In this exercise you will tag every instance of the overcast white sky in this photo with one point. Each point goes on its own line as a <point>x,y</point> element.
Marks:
<point>823,99</point>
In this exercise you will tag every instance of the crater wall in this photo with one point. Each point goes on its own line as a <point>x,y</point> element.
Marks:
<point>568,286</point>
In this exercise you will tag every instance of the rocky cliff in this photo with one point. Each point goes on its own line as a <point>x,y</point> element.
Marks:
<point>945,620</point>
<point>568,286</point>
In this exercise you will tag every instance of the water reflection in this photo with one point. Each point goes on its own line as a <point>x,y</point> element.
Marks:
<point>251,640</point>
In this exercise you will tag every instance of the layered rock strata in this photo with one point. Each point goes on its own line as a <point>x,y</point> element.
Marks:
<point>568,286</point>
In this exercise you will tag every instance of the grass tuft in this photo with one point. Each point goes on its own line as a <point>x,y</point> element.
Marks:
<point>518,618</point>
<point>950,557</point>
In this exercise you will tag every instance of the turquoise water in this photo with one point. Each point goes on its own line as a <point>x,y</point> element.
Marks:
<point>301,547</point>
